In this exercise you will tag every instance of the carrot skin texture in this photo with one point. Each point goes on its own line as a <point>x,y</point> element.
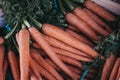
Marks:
<point>5,67</point>
<point>113,74</point>
<point>2,53</point>
<point>86,18</point>
<point>118,74</point>
<point>99,10</point>
<point>73,28</point>
<point>35,54</point>
<point>66,38</point>
<point>33,76</point>
<point>13,65</point>
<point>47,48</point>
<point>24,52</point>
<point>82,26</point>
<point>107,68</point>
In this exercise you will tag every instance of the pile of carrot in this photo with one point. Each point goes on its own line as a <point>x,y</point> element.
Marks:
<point>52,53</point>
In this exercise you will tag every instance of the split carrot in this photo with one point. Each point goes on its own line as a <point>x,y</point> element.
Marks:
<point>35,54</point>
<point>63,36</point>
<point>113,74</point>
<point>107,68</point>
<point>82,26</point>
<point>24,52</point>
<point>1,40</point>
<point>2,53</point>
<point>13,65</point>
<point>99,10</point>
<point>98,20</point>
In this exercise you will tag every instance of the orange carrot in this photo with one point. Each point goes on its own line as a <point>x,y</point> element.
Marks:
<point>5,67</point>
<point>24,53</point>
<point>99,10</point>
<point>33,76</point>
<point>63,36</point>
<point>71,55</point>
<point>1,40</point>
<point>13,65</point>
<point>2,53</point>
<point>17,37</point>
<point>73,28</point>
<point>118,74</point>
<point>113,74</point>
<point>41,70</point>
<point>98,20</point>
<point>79,37</point>
<point>87,19</point>
<point>82,26</point>
<point>61,45</point>
<point>107,68</point>
<point>37,36</point>
<point>35,54</point>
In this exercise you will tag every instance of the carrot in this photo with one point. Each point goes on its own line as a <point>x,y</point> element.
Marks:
<point>73,28</point>
<point>33,76</point>
<point>24,53</point>
<point>63,36</point>
<point>2,53</point>
<point>79,37</point>
<point>118,74</point>
<point>115,69</point>
<point>91,22</point>
<point>61,45</point>
<point>107,68</point>
<point>71,55</point>
<point>43,63</point>
<point>13,65</point>
<point>99,10</point>
<point>98,20</point>
<point>41,70</point>
<point>17,37</point>
<point>37,36</point>
<point>5,67</point>
<point>82,26</point>
<point>1,40</point>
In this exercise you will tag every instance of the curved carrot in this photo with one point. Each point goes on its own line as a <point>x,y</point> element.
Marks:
<point>56,43</point>
<point>91,22</point>
<point>82,26</point>
<point>99,10</point>
<point>24,53</point>
<point>43,63</point>
<point>37,36</point>
<point>13,65</point>
<point>79,37</point>
<point>2,53</point>
<point>98,20</point>
<point>63,36</point>
<point>113,74</point>
<point>1,40</point>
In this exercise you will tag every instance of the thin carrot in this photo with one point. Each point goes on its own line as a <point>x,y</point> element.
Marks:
<point>99,10</point>
<point>113,74</point>
<point>71,55</point>
<point>5,67</point>
<point>91,22</point>
<point>98,20</point>
<point>24,53</point>
<point>13,65</point>
<point>35,54</point>
<point>118,74</point>
<point>107,68</point>
<point>1,40</point>
<point>61,45</point>
<point>41,70</point>
<point>82,26</point>
<point>79,37</point>
<point>63,36</point>
<point>37,36</point>
<point>2,53</point>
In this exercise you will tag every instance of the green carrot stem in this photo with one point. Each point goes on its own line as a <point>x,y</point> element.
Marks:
<point>79,1</point>
<point>26,23</point>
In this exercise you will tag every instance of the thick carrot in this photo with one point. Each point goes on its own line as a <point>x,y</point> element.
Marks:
<point>2,53</point>
<point>33,76</point>
<point>82,26</point>
<point>37,36</point>
<point>5,67</point>
<point>24,53</point>
<point>107,68</point>
<point>73,28</point>
<point>71,55</point>
<point>13,65</point>
<point>61,45</point>
<point>41,70</point>
<point>99,10</point>
<point>79,37</point>
<point>35,54</point>
<point>98,20</point>
<point>118,74</point>
<point>115,69</point>
<point>63,36</point>
<point>1,40</point>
